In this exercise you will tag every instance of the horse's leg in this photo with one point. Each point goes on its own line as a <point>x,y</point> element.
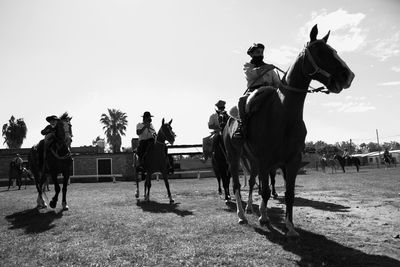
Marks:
<point>165,177</point>
<point>225,182</point>
<point>234,159</point>
<point>290,178</point>
<point>137,184</point>
<point>147,186</point>
<point>18,181</point>
<point>265,195</point>
<point>57,189</point>
<point>9,182</point>
<point>64,191</point>
<point>41,203</point>
<point>272,174</point>
<point>252,182</point>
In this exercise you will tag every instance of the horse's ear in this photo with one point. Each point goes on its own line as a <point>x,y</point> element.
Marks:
<point>170,122</point>
<point>314,33</point>
<point>162,122</point>
<point>326,37</point>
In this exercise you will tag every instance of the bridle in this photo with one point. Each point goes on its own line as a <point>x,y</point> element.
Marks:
<point>306,54</point>
<point>164,134</point>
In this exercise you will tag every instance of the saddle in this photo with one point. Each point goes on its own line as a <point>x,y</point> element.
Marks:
<point>253,101</point>
<point>256,98</point>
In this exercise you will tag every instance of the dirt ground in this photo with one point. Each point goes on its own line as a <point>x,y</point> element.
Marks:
<point>358,211</point>
<point>344,219</point>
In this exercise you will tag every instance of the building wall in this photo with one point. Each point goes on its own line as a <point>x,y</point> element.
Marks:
<point>84,161</point>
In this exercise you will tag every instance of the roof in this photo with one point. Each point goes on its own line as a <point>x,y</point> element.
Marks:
<point>375,153</point>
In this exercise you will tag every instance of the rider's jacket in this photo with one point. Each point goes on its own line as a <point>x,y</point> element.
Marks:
<point>213,122</point>
<point>264,75</point>
<point>148,133</point>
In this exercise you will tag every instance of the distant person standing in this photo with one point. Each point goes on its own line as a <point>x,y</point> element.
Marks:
<point>146,132</point>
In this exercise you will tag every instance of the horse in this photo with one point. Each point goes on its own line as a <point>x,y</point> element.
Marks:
<point>275,131</point>
<point>156,160</point>
<point>218,159</point>
<point>15,171</point>
<point>329,162</point>
<point>348,161</point>
<point>388,160</point>
<point>57,160</point>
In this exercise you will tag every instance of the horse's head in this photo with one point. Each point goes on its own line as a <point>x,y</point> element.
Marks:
<point>166,132</point>
<point>223,118</point>
<point>322,63</point>
<point>64,130</point>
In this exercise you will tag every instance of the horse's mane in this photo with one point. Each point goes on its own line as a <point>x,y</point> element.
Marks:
<point>65,117</point>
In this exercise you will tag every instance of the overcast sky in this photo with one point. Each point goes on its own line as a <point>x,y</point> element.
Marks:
<point>177,58</point>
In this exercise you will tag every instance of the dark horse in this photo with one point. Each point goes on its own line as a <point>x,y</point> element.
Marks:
<point>276,131</point>
<point>156,160</point>
<point>58,160</point>
<point>218,159</point>
<point>348,161</point>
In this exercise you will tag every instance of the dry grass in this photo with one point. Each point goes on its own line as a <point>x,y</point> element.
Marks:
<point>347,219</point>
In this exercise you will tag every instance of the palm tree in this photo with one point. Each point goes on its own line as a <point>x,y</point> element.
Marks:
<point>14,132</point>
<point>114,126</point>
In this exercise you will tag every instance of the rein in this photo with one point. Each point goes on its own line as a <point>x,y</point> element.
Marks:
<point>68,155</point>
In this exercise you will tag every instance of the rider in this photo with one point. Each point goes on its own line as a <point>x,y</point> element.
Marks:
<point>258,74</point>
<point>49,131</point>
<point>346,154</point>
<point>214,122</point>
<point>145,131</point>
<point>18,161</point>
<point>386,154</point>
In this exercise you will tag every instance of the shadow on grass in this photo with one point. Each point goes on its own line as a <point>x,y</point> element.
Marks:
<point>33,221</point>
<point>156,207</point>
<point>321,205</point>
<point>315,249</point>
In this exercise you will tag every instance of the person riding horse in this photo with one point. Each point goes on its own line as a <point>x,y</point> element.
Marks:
<point>216,121</point>
<point>146,132</point>
<point>49,132</point>
<point>258,74</point>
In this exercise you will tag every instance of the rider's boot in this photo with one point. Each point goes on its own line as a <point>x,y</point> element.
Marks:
<point>241,129</point>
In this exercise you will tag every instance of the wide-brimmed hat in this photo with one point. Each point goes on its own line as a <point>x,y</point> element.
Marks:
<point>147,114</point>
<point>220,104</point>
<point>254,47</point>
<point>52,118</point>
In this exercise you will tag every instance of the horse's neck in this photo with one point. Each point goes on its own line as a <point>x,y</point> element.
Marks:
<point>295,78</point>
<point>160,137</point>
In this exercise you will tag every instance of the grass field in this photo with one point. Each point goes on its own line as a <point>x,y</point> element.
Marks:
<point>350,219</point>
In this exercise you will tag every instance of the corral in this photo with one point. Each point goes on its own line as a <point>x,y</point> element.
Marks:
<point>347,219</point>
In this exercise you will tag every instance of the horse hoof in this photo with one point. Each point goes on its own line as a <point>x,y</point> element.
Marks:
<point>171,201</point>
<point>53,204</point>
<point>137,195</point>
<point>242,221</point>
<point>249,211</point>
<point>275,196</point>
<point>292,234</point>
<point>264,222</point>
<point>65,206</point>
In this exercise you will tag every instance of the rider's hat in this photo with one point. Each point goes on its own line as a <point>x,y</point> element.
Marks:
<point>254,47</point>
<point>52,118</point>
<point>147,114</point>
<point>220,104</point>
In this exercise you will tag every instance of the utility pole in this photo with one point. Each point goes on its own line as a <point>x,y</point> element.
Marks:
<point>379,149</point>
<point>350,147</point>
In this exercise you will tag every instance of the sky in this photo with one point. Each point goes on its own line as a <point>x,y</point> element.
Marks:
<point>177,58</point>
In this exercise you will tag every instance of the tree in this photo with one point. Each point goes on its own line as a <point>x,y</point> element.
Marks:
<point>372,147</point>
<point>115,123</point>
<point>14,132</point>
